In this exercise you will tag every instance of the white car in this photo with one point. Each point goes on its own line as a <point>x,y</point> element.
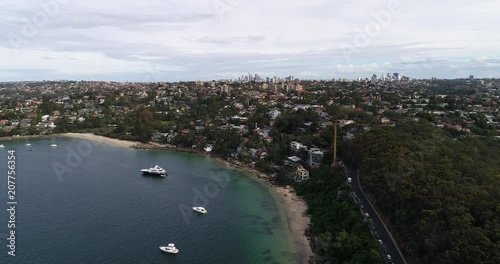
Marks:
<point>389,257</point>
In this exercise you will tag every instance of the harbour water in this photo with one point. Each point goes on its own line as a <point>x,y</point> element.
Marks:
<point>83,202</point>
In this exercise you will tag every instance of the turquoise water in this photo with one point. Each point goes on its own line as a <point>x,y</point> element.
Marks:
<point>85,202</point>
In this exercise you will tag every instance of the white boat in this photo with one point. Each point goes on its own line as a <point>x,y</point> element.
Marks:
<point>170,249</point>
<point>53,145</point>
<point>156,170</point>
<point>27,143</point>
<point>208,148</point>
<point>200,210</point>
<point>2,146</point>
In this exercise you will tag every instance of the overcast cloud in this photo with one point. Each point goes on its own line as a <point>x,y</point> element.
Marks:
<point>157,40</point>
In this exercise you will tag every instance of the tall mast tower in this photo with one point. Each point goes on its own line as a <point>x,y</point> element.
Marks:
<point>335,145</point>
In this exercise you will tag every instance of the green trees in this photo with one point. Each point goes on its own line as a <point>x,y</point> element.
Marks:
<point>441,196</point>
<point>142,126</point>
<point>289,123</point>
<point>342,236</point>
<point>48,106</point>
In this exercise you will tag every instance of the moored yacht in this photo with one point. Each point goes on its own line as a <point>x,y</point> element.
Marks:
<point>53,145</point>
<point>2,146</point>
<point>156,170</point>
<point>200,210</point>
<point>170,249</point>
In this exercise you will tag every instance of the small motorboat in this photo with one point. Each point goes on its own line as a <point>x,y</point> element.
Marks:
<point>53,145</point>
<point>170,249</point>
<point>208,148</point>
<point>200,210</point>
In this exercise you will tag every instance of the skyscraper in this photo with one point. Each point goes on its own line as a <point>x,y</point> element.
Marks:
<point>396,76</point>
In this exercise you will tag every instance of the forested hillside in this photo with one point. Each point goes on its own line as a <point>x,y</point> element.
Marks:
<point>341,233</point>
<point>440,196</point>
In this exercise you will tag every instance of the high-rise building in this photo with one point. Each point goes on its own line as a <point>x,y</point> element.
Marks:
<point>396,76</point>
<point>257,78</point>
<point>471,77</point>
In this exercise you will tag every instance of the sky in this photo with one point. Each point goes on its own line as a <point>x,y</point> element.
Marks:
<point>161,40</point>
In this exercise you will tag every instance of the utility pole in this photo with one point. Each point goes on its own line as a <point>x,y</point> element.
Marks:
<point>335,145</point>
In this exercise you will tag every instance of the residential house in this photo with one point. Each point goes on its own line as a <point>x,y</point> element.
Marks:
<point>315,157</point>
<point>296,146</point>
<point>293,161</point>
<point>274,114</point>
<point>301,174</point>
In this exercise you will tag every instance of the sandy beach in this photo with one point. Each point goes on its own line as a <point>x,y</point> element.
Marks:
<point>294,207</point>
<point>298,221</point>
<point>101,139</point>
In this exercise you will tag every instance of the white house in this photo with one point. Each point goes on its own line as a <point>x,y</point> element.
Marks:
<point>301,174</point>
<point>274,114</point>
<point>315,157</point>
<point>296,146</point>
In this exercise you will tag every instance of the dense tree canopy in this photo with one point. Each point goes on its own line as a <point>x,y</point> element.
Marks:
<point>342,234</point>
<point>441,196</point>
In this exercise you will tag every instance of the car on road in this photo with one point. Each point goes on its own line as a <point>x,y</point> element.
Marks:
<point>380,241</point>
<point>389,257</point>
<point>367,215</point>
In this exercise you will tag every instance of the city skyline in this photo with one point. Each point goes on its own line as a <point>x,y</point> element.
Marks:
<point>221,39</point>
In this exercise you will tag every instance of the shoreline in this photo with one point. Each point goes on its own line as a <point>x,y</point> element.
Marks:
<point>293,207</point>
<point>13,138</point>
<point>101,139</point>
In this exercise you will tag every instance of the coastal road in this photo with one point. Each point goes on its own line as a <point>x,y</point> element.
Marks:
<point>378,226</point>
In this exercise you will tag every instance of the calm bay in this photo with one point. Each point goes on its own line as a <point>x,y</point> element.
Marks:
<point>104,211</point>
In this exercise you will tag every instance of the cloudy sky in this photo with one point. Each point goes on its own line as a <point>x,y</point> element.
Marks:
<point>161,40</point>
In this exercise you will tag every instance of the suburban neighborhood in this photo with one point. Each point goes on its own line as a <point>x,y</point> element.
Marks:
<point>274,124</point>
